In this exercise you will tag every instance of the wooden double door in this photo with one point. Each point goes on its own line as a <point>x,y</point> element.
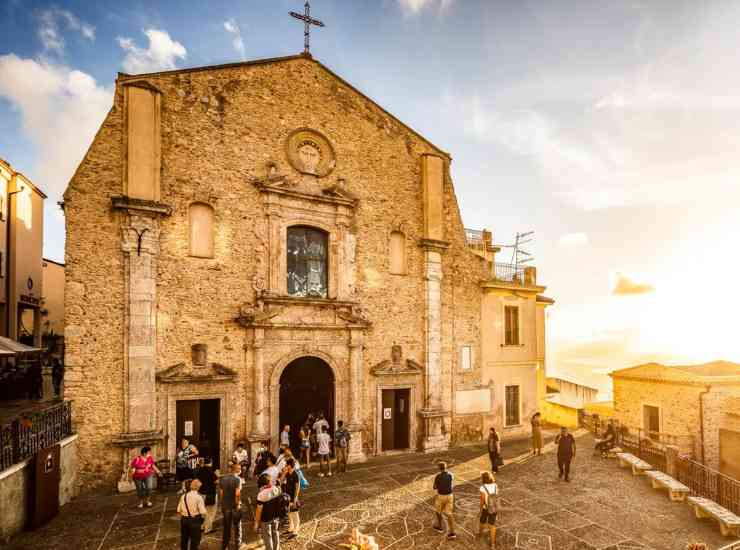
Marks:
<point>396,419</point>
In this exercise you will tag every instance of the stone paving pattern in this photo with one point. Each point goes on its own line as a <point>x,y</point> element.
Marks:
<point>603,508</point>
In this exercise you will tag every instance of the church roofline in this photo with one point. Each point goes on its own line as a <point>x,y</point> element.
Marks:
<point>125,77</point>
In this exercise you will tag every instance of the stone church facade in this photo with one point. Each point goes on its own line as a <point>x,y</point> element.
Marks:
<point>239,232</point>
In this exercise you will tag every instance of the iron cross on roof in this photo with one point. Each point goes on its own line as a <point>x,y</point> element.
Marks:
<point>307,21</point>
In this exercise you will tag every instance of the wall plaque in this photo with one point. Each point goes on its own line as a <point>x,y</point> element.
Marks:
<point>309,152</point>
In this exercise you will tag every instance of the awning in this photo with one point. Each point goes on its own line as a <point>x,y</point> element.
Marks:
<point>10,347</point>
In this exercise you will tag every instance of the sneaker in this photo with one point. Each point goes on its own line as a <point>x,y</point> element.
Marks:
<point>329,474</point>
<point>140,505</point>
<point>451,536</point>
<point>438,529</point>
<point>149,504</point>
<point>321,474</point>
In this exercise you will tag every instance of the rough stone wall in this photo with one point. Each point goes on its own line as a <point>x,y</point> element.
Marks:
<point>93,304</point>
<point>220,128</point>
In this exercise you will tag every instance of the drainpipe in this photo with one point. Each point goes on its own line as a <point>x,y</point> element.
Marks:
<point>701,419</point>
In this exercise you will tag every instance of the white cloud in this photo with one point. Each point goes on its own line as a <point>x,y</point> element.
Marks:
<point>573,240</point>
<point>161,55</point>
<point>61,109</point>
<point>413,7</point>
<point>50,33</point>
<point>232,27</point>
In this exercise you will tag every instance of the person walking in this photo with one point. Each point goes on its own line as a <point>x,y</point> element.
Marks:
<point>305,437</point>
<point>444,501</point>
<point>143,470</point>
<point>536,434</point>
<point>208,478</point>
<point>272,471</point>
<point>324,441</point>
<point>186,461</point>
<point>488,506</point>
<point>192,510</point>
<point>267,513</point>
<point>342,438</point>
<point>494,449</point>
<point>285,437</point>
<point>292,487</point>
<point>566,452</point>
<point>230,496</point>
<point>241,457</point>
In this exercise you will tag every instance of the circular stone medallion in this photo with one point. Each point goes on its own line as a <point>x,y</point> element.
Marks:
<point>310,153</point>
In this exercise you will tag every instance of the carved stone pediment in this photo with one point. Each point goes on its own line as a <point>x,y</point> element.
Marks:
<point>354,315</point>
<point>395,365</point>
<point>182,372</point>
<point>257,313</point>
<point>338,191</point>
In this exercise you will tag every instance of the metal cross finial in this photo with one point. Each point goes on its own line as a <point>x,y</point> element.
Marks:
<point>307,22</point>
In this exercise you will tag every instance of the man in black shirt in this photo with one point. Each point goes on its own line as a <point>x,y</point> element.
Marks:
<point>566,452</point>
<point>444,501</point>
<point>231,504</point>
<point>292,488</point>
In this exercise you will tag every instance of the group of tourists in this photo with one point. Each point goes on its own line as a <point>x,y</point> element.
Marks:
<point>444,503</point>
<point>315,442</point>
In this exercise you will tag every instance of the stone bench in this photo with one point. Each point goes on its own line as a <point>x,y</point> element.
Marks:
<point>729,523</point>
<point>677,491</point>
<point>639,466</point>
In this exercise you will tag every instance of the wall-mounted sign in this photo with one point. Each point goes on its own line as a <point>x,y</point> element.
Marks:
<point>188,428</point>
<point>387,413</point>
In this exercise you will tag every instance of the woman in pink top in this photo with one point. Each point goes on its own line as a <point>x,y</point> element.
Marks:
<point>142,471</point>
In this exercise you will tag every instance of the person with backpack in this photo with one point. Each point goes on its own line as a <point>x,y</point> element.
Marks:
<point>268,511</point>
<point>444,501</point>
<point>292,488</point>
<point>341,444</point>
<point>324,440</point>
<point>488,505</point>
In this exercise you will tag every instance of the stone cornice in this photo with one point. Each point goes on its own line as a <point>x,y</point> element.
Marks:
<point>331,195</point>
<point>268,306</point>
<point>121,202</point>
<point>434,245</point>
<point>698,382</point>
<point>494,284</point>
<point>137,438</point>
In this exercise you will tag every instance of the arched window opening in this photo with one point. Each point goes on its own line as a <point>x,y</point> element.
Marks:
<point>201,230</point>
<point>398,253</point>
<point>307,262</point>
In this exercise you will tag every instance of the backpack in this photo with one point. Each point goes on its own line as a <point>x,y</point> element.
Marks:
<point>343,439</point>
<point>491,500</point>
<point>304,482</point>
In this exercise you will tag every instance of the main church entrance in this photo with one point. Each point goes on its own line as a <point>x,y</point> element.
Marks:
<point>306,386</point>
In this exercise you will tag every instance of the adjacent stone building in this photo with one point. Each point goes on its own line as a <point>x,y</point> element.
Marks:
<point>670,403</point>
<point>250,242</point>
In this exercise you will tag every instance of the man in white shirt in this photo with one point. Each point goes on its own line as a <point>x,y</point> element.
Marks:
<point>192,510</point>
<point>324,441</point>
<point>241,457</point>
<point>320,423</point>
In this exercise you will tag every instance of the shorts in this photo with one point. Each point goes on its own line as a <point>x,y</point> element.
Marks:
<point>324,458</point>
<point>488,517</point>
<point>443,504</point>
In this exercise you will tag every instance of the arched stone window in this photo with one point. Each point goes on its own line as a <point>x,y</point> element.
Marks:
<point>398,253</point>
<point>201,230</point>
<point>307,250</point>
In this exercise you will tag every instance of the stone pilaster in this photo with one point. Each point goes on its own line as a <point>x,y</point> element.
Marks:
<point>259,430</point>
<point>356,397</point>
<point>433,414</point>
<point>140,246</point>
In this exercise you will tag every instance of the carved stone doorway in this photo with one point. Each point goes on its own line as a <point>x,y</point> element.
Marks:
<point>306,386</point>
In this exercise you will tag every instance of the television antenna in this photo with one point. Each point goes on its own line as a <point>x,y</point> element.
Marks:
<point>519,256</point>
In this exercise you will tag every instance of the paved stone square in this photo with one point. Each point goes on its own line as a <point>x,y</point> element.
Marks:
<point>603,508</point>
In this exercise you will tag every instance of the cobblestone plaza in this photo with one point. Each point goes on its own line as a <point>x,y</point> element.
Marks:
<point>603,508</point>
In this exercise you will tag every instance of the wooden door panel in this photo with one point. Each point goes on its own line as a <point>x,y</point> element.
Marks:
<point>401,424</point>
<point>188,411</point>
<point>388,418</point>
<point>47,474</point>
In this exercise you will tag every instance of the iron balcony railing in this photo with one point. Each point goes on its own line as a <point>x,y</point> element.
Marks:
<point>474,237</point>
<point>509,273</point>
<point>28,434</point>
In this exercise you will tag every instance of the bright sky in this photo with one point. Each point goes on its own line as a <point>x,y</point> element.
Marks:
<point>612,129</point>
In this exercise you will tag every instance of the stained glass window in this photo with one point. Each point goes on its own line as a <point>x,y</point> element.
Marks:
<point>307,262</point>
